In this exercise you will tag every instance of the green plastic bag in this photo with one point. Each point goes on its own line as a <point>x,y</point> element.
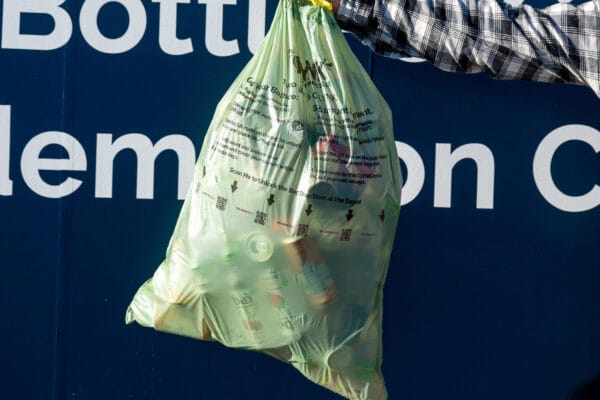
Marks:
<point>284,239</point>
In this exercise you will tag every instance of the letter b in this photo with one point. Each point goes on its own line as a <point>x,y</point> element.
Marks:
<point>12,38</point>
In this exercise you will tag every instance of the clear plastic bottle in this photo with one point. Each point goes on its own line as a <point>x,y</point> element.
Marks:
<point>260,249</point>
<point>314,273</point>
<point>243,298</point>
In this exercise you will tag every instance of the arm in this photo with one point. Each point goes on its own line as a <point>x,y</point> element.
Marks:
<point>560,43</point>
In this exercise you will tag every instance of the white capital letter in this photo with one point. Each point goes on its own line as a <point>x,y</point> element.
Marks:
<point>215,43</point>
<point>415,172</point>
<point>542,173</point>
<point>167,29</point>
<point>257,15</point>
<point>12,38</point>
<point>445,160</point>
<point>32,164</point>
<point>5,182</point>
<point>146,155</point>
<point>88,22</point>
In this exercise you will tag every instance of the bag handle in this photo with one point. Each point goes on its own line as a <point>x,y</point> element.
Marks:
<point>323,3</point>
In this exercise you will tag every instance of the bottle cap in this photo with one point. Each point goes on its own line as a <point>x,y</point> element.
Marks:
<point>259,247</point>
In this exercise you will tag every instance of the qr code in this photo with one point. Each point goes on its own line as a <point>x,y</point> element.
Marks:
<point>346,235</point>
<point>261,217</point>
<point>221,203</point>
<point>302,230</point>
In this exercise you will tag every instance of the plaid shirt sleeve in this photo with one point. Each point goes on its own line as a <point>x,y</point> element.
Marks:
<point>560,43</point>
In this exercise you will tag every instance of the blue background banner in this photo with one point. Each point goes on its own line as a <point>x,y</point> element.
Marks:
<point>494,285</point>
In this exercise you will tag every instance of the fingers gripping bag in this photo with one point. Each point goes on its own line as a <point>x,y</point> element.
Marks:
<point>284,239</point>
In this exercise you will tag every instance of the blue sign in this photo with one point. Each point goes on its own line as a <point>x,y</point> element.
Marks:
<point>493,288</point>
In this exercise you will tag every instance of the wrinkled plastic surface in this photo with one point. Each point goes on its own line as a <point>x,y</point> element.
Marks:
<point>284,239</point>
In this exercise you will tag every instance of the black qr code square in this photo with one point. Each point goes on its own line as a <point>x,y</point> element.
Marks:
<point>221,203</point>
<point>302,230</point>
<point>261,218</point>
<point>346,235</point>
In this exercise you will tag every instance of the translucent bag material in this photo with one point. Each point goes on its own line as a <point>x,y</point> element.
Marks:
<point>284,239</point>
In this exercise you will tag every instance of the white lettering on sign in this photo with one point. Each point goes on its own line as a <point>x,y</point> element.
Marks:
<point>6,184</point>
<point>415,172</point>
<point>167,32</point>
<point>88,23</point>
<point>32,164</point>
<point>542,168</point>
<point>445,160</point>
<point>13,36</point>
<point>257,17</point>
<point>214,41</point>
<point>146,153</point>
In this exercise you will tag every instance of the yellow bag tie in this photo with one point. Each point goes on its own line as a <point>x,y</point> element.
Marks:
<point>322,3</point>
